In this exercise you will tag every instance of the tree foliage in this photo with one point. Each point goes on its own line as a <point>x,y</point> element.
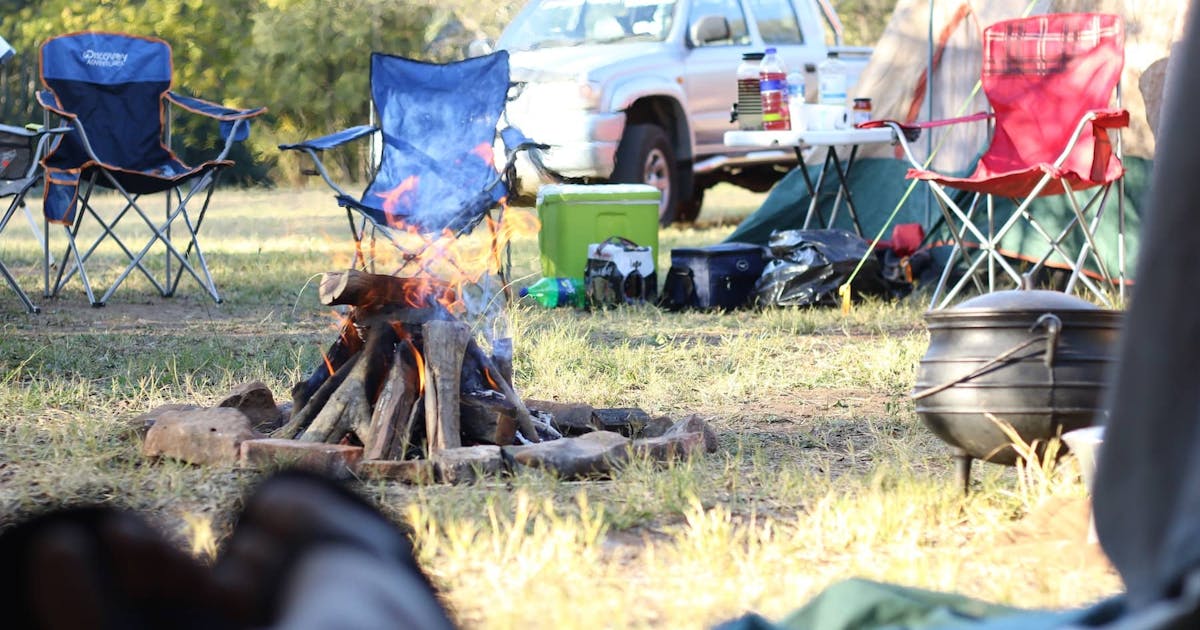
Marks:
<point>307,60</point>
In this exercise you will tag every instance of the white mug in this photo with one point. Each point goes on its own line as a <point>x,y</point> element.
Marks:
<point>826,117</point>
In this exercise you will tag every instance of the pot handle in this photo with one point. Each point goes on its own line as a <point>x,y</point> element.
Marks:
<point>1049,321</point>
<point>1053,326</point>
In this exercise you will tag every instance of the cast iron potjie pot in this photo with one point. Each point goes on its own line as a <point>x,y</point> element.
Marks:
<point>1036,360</point>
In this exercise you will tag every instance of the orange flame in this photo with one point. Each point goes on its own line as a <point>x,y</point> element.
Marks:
<point>420,361</point>
<point>491,381</point>
<point>451,261</point>
<point>399,195</point>
<point>484,152</point>
<point>328,363</point>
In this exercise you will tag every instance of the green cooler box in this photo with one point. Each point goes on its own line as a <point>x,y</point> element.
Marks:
<point>574,216</point>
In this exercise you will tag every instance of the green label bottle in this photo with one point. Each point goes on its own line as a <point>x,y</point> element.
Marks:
<point>553,292</point>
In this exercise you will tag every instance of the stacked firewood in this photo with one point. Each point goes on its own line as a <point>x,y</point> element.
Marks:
<point>405,377</point>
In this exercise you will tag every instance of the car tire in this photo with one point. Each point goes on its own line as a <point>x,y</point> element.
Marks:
<point>645,156</point>
<point>689,209</point>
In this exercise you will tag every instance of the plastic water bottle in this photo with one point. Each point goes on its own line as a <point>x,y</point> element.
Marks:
<point>749,102</point>
<point>831,75</point>
<point>795,88</point>
<point>773,90</point>
<point>554,292</point>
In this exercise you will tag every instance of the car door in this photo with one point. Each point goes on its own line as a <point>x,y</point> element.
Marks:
<point>710,74</point>
<point>779,25</point>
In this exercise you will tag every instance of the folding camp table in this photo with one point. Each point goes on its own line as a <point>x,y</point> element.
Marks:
<point>830,139</point>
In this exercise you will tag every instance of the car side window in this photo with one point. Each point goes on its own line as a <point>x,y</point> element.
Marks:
<point>731,10</point>
<point>776,22</point>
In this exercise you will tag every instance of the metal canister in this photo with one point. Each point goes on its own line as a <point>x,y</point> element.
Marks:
<point>861,111</point>
<point>749,100</point>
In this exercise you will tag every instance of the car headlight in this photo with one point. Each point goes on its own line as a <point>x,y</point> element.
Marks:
<point>580,95</point>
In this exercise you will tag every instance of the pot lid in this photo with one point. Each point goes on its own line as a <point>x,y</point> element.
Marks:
<point>1026,300</point>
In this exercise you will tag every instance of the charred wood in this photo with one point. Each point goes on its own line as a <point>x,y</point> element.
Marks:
<point>392,415</point>
<point>445,346</point>
<point>348,408</point>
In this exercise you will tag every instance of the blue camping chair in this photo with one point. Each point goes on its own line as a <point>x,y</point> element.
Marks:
<point>20,149</point>
<point>114,92</point>
<point>436,173</point>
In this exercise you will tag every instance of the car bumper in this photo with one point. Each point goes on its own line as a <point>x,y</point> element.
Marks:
<point>582,145</point>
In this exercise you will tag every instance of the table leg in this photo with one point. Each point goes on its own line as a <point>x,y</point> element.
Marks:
<point>813,190</point>
<point>843,188</point>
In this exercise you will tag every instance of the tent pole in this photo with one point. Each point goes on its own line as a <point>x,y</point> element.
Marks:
<point>929,106</point>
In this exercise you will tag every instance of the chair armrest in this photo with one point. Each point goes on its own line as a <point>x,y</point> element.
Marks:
<point>47,100</point>
<point>1110,118</point>
<point>211,109</point>
<point>235,123</point>
<point>908,131</point>
<point>332,140</point>
<point>515,140</point>
<point>912,131</point>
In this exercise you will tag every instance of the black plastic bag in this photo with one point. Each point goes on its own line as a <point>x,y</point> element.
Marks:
<point>808,266</point>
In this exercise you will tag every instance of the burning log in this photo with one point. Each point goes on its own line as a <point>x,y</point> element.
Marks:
<point>405,368</point>
<point>302,417</point>
<point>372,290</point>
<point>391,420</point>
<point>348,408</point>
<point>524,419</point>
<point>347,344</point>
<point>488,418</point>
<point>445,346</point>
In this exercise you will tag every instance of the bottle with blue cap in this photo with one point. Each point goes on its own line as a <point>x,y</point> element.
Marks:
<point>555,292</point>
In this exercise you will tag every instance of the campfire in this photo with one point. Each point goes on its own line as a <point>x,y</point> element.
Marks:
<point>405,377</point>
<point>417,386</point>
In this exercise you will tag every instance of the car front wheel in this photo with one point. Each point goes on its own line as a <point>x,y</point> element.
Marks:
<point>645,156</point>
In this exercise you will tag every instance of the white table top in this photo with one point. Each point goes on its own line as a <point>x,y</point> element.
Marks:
<point>739,138</point>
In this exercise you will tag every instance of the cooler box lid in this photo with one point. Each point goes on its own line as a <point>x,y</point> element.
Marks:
<point>720,249</point>
<point>598,192</point>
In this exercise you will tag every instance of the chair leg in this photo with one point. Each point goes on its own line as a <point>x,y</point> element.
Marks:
<point>1121,239</point>
<point>1088,230</point>
<point>73,251</point>
<point>161,233</point>
<point>4,271</point>
<point>194,243</point>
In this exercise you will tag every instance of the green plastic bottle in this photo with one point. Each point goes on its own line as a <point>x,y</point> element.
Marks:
<point>553,292</point>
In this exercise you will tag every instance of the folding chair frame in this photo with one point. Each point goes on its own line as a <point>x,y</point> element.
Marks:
<point>313,148</point>
<point>205,180</point>
<point>512,140</point>
<point>989,244</point>
<point>18,189</point>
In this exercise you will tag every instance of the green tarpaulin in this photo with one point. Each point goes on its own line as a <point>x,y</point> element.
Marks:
<point>858,604</point>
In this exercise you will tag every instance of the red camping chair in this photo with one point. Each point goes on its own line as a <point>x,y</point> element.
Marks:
<point>1049,80</point>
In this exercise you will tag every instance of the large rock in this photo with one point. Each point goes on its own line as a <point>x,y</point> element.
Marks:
<point>695,424</point>
<point>468,463</point>
<point>414,471</point>
<point>591,455</point>
<point>256,401</point>
<point>656,427</point>
<point>628,421</point>
<point>567,418</point>
<point>668,447</point>
<point>199,436</point>
<point>334,460</point>
<point>142,423</point>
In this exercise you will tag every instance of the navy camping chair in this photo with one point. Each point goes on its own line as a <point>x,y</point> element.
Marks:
<point>114,92</point>
<point>438,125</point>
<point>20,149</point>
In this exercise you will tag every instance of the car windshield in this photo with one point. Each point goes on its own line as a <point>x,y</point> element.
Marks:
<point>552,23</point>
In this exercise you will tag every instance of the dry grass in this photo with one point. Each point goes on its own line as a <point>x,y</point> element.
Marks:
<point>824,470</point>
